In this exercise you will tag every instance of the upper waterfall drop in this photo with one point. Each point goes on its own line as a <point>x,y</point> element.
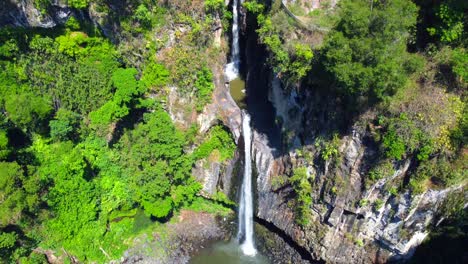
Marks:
<point>232,69</point>
<point>246,199</point>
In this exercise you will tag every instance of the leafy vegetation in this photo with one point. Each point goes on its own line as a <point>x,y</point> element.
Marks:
<point>293,60</point>
<point>89,157</point>
<point>219,143</point>
<point>366,53</point>
<point>301,183</point>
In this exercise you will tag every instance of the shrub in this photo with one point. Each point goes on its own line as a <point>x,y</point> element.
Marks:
<point>394,145</point>
<point>366,52</point>
<point>359,242</point>
<point>204,86</point>
<point>143,15</point>
<point>384,169</point>
<point>155,75</point>
<point>363,202</point>
<point>217,139</point>
<point>302,187</point>
<point>328,149</point>
<point>378,203</point>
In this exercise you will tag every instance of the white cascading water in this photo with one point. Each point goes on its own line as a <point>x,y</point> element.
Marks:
<point>232,68</point>
<point>246,200</point>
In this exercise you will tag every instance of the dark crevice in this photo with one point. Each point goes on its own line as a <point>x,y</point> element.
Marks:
<point>358,216</point>
<point>302,251</point>
<point>260,109</point>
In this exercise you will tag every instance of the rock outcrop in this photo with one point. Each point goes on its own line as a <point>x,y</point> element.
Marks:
<point>24,13</point>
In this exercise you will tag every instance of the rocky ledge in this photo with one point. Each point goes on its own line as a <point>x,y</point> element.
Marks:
<point>178,240</point>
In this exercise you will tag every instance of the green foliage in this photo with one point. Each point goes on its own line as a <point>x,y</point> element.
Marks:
<point>359,242</point>
<point>18,193</point>
<point>460,64</point>
<point>7,244</point>
<point>126,89</point>
<point>214,6</point>
<point>459,135</point>
<point>200,204</point>
<point>254,7</point>
<point>302,186</point>
<point>278,181</point>
<point>328,149</point>
<point>64,126</point>
<point>155,75</point>
<point>143,15</point>
<point>378,203</point>
<point>9,48</point>
<point>4,148</point>
<point>393,190</point>
<point>79,4</point>
<point>73,44</point>
<point>450,22</point>
<point>363,202</point>
<point>439,172</point>
<point>404,135</point>
<point>394,146</point>
<point>366,52</point>
<point>26,109</point>
<point>153,154</point>
<point>73,24</point>
<point>292,60</point>
<point>205,86</point>
<point>454,204</point>
<point>42,5</point>
<point>218,140</point>
<point>80,84</point>
<point>220,197</point>
<point>218,8</point>
<point>69,189</point>
<point>384,169</point>
<point>302,61</point>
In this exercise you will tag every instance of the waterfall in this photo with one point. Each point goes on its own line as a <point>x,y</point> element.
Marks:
<point>232,68</point>
<point>246,200</point>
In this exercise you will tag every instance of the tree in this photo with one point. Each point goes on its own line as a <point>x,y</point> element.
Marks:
<point>205,86</point>
<point>11,193</point>
<point>153,154</point>
<point>126,89</point>
<point>8,243</point>
<point>27,110</point>
<point>64,125</point>
<point>303,189</point>
<point>213,6</point>
<point>449,26</point>
<point>143,15</point>
<point>366,53</point>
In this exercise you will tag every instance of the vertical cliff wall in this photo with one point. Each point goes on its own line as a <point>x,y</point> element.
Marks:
<point>350,222</point>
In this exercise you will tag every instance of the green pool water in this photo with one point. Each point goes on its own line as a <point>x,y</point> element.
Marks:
<point>237,89</point>
<point>226,253</point>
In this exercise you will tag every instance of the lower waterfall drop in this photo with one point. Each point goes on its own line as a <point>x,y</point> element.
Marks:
<point>246,199</point>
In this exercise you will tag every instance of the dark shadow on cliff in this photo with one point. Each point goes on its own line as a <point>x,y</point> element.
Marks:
<point>446,244</point>
<point>262,112</point>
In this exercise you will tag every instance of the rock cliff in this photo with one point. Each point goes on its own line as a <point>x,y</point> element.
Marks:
<point>350,223</point>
